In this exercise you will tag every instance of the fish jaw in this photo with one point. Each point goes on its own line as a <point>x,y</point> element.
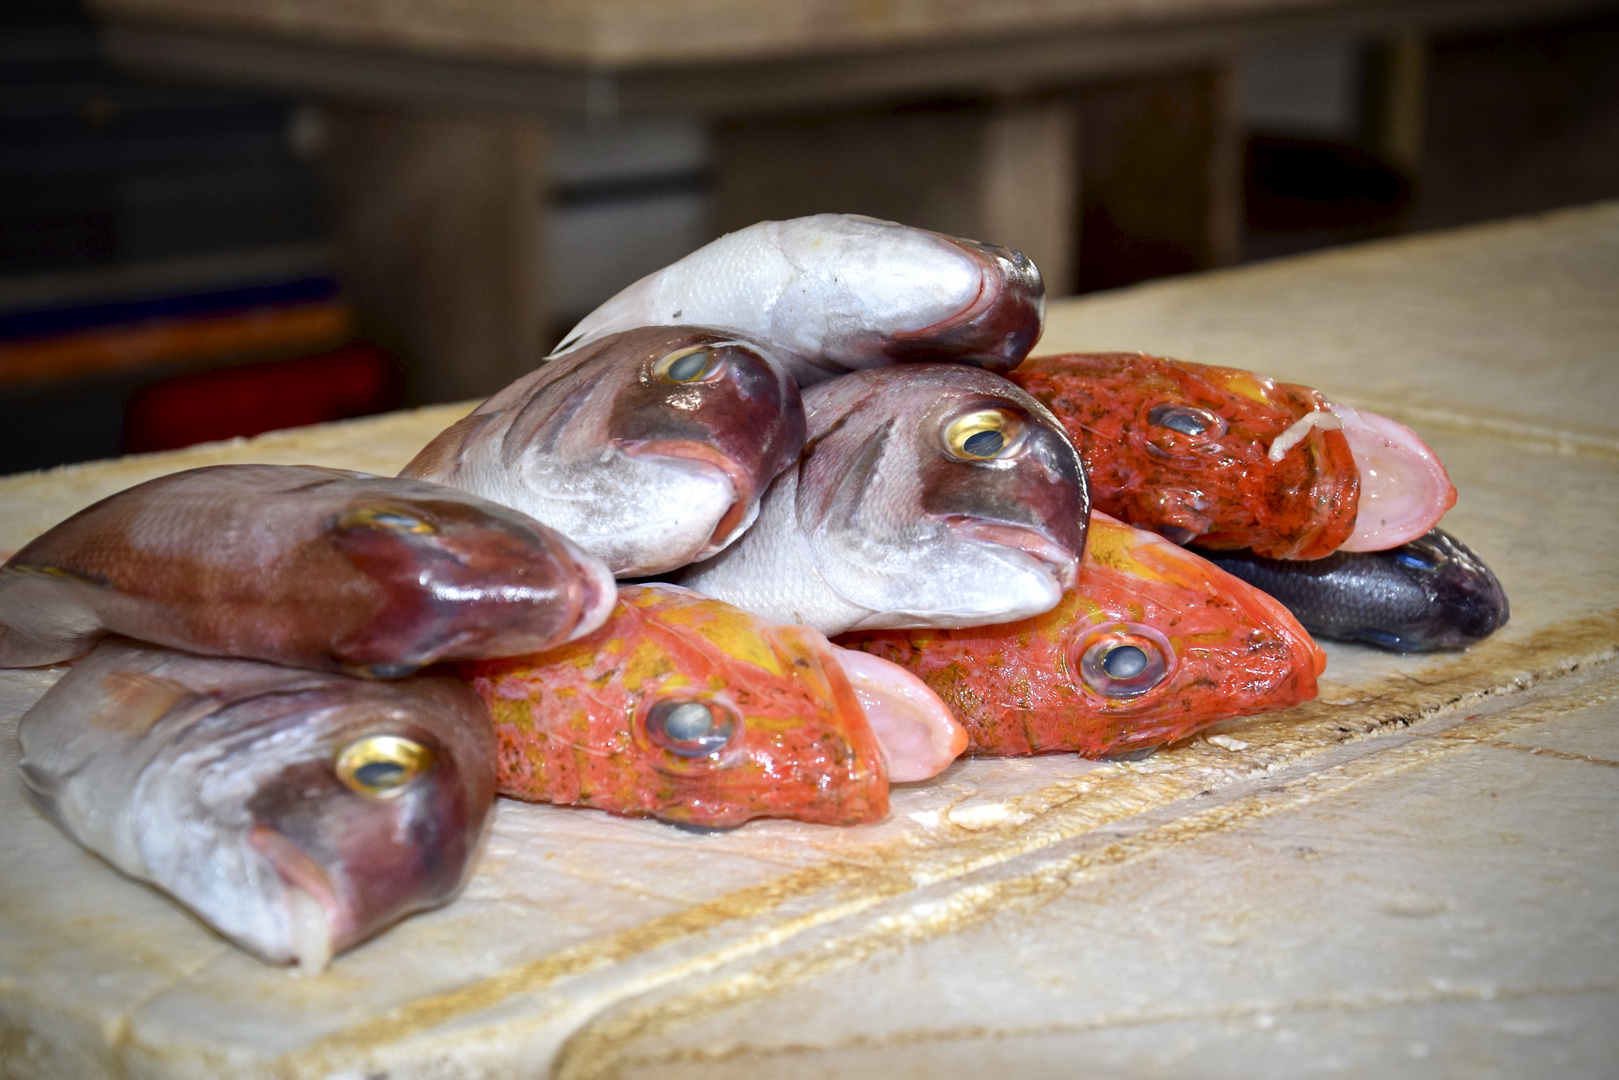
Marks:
<point>587,724</point>
<point>1404,489</point>
<point>743,506</point>
<point>919,737</point>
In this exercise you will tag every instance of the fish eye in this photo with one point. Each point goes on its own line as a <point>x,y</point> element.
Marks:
<point>984,435</point>
<point>689,365</point>
<point>1186,419</point>
<point>382,766</point>
<point>378,517</point>
<point>689,727</point>
<point>1121,664</point>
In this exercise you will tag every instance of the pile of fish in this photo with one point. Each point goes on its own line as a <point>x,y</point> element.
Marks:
<point>295,691</point>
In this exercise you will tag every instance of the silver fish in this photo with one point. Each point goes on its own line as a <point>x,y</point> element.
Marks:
<point>649,448</point>
<point>317,568</point>
<point>927,495</point>
<point>837,292</point>
<point>296,812</point>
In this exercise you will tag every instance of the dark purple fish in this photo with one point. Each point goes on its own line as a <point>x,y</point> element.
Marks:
<point>317,568</point>
<point>1432,593</point>
<point>296,812</point>
<point>649,448</point>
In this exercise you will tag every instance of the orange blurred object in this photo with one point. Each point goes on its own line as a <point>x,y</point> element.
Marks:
<point>355,380</point>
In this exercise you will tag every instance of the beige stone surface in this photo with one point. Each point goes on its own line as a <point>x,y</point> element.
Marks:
<point>1413,875</point>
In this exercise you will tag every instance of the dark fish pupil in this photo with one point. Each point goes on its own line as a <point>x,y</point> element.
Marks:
<point>379,773</point>
<point>984,443</point>
<point>690,366</point>
<point>1125,662</point>
<point>688,722</point>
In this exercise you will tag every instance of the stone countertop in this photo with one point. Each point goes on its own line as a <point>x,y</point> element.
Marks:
<point>1414,875</point>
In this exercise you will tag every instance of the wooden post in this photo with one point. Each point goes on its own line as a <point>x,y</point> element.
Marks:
<point>1392,113</point>
<point>1161,177</point>
<point>1002,172</point>
<point>440,224</point>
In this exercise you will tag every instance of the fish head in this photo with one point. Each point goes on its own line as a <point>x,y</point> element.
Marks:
<point>1001,324</point>
<point>301,822</point>
<point>654,445</point>
<point>1441,594</point>
<point>1219,455</point>
<point>936,494</point>
<point>690,710</point>
<point>1152,644</point>
<point>455,577</point>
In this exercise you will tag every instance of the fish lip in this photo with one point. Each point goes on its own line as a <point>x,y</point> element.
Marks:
<point>743,488</point>
<point>1001,271</point>
<point>1062,564</point>
<point>297,870</point>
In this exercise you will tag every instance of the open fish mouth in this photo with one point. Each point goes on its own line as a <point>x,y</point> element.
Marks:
<point>688,452</point>
<point>918,735</point>
<point>319,925</point>
<point>1058,561</point>
<point>1404,490</point>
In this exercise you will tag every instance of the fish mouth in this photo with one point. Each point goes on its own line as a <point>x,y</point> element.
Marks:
<point>596,592</point>
<point>743,489</point>
<point>999,327</point>
<point>1061,563</point>
<point>1404,489</point>
<point>320,924</point>
<point>918,735</point>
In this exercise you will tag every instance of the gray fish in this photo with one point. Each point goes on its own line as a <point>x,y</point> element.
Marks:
<point>317,568</point>
<point>837,292</point>
<point>649,448</point>
<point>1432,593</point>
<point>296,812</point>
<point>927,495</point>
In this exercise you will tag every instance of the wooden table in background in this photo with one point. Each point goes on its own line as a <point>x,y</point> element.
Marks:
<point>439,111</point>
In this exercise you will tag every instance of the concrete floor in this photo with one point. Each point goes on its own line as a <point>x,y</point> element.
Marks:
<point>1412,876</point>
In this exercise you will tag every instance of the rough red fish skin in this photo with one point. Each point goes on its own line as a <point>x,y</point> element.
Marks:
<point>1222,487</point>
<point>571,730</point>
<point>1016,688</point>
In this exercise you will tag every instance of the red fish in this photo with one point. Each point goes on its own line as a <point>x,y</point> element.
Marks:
<point>691,710</point>
<point>1185,449</point>
<point>1153,644</point>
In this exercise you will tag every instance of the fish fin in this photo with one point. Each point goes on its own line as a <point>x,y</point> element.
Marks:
<point>41,790</point>
<point>439,458</point>
<point>137,700</point>
<point>42,618</point>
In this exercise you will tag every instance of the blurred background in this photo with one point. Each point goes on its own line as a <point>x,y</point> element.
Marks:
<point>200,244</point>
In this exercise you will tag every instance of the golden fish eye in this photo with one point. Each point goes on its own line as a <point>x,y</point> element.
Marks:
<point>689,727</point>
<point>381,766</point>
<point>377,517</point>
<point>983,435</point>
<point>688,365</point>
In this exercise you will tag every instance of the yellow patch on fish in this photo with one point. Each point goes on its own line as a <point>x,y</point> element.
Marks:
<point>649,662</point>
<point>1249,385</point>
<point>730,630</point>
<point>1115,546</point>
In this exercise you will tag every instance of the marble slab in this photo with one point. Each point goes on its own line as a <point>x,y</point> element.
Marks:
<point>1306,902</point>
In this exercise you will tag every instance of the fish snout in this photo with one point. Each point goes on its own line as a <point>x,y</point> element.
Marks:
<point>320,922</point>
<point>1001,324</point>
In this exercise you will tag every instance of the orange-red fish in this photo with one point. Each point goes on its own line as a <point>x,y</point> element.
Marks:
<point>1151,645</point>
<point>689,709</point>
<point>1188,450</point>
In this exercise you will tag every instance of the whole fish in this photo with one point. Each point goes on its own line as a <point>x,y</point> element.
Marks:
<point>1150,646</point>
<point>317,568</point>
<point>927,495</point>
<point>837,292</point>
<point>649,448</point>
<point>296,812</point>
<point>1432,593</point>
<point>1231,459</point>
<point>688,709</point>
